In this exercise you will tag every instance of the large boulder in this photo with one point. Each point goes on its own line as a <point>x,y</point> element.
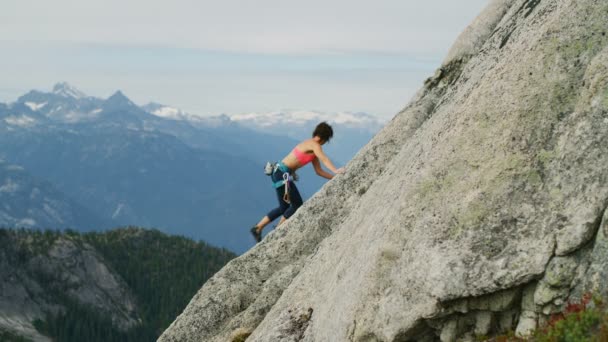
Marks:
<point>479,208</point>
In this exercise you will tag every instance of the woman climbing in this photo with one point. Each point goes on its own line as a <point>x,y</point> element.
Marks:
<point>283,172</point>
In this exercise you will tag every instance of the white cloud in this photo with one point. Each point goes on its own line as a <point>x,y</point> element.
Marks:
<point>270,26</point>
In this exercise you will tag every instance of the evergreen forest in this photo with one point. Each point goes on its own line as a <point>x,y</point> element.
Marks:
<point>162,272</point>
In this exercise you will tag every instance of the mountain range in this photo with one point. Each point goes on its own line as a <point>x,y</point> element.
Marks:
<point>111,162</point>
<point>30,202</point>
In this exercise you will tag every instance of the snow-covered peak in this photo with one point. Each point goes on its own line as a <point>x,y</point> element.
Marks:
<point>272,118</point>
<point>174,113</point>
<point>166,112</point>
<point>355,119</point>
<point>118,99</point>
<point>66,90</point>
<point>305,117</point>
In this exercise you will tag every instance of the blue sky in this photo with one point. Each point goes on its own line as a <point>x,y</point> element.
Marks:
<point>232,56</point>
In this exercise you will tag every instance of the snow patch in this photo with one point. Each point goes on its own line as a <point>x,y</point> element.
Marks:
<point>14,168</point>
<point>346,118</point>
<point>118,210</point>
<point>66,90</point>
<point>22,121</point>
<point>172,113</point>
<point>73,117</point>
<point>52,213</point>
<point>35,193</point>
<point>306,117</point>
<point>303,116</point>
<point>35,106</point>
<point>167,112</point>
<point>9,186</point>
<point>26,222</point>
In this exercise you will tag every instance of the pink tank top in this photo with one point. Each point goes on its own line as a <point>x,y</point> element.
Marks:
<point>303,158</point>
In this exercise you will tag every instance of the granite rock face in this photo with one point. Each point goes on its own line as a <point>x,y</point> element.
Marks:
<point>480,208</point>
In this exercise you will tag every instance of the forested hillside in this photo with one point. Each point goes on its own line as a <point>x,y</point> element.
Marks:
<point>160,274</point>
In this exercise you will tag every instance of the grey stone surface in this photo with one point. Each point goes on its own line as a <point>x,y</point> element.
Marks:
<point>527,299</point>
<point>484,322</point>
<point>507,320</point>
<point>449,332</point>
<point>497,302</point>
<point>546,294</point>
<point>527,323</point>
<point>596,277</point>
<point>496,167</point>
<point>561,271</point>
<point>472,39</point>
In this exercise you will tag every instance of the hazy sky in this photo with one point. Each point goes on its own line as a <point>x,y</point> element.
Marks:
<point>211,57</point>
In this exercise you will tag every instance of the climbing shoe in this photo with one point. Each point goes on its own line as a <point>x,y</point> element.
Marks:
<point>256,235</point>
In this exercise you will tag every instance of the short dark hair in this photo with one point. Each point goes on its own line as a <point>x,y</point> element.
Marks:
<point>323,131</point>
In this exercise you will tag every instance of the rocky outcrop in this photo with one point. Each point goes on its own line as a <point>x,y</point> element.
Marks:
<point>480,208</point>
<point>37,274</point>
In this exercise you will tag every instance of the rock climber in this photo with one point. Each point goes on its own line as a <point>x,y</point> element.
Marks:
<point>283,175</point>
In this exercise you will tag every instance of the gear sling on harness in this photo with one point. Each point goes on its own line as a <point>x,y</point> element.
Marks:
<point>287,177</point>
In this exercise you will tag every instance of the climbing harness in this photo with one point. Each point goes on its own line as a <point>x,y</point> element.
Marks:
<point>287,177</point>
<point>286,171</point>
